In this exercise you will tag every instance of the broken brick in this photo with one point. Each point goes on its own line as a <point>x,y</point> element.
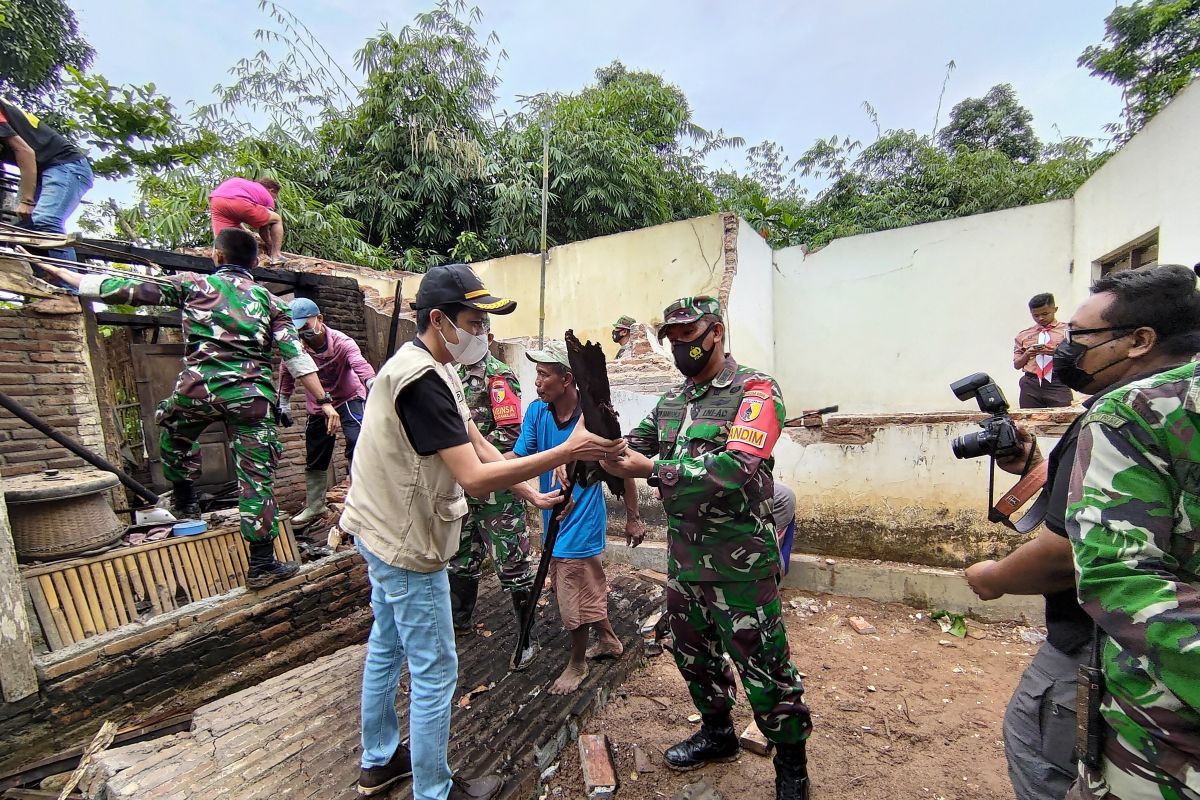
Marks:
<point>861,625</point>
<point>599,773</point>
<point>753,740</point>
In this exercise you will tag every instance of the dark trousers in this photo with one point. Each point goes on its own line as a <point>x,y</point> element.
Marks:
<point>318,443</point>
<point>1043,395</point>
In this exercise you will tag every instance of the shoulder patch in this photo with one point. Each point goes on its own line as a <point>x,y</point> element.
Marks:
<point>506,406</point>
<point>755,427</point>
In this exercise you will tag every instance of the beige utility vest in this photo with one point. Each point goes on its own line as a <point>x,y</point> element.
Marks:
<point>406,508</point>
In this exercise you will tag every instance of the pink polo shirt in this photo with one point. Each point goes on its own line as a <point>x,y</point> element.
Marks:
<point>242,189</point>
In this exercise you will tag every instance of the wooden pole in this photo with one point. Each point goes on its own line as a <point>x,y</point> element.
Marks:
<point>17,676</point>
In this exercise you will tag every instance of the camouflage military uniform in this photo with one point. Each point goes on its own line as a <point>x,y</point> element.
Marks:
<point>713,444</point>
<point>1134,522</point>
<point>624,323</point>
<point>497,523</point>
<point>231,325</point>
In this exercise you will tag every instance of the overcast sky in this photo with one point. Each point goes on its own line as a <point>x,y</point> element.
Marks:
<point>789,72</point>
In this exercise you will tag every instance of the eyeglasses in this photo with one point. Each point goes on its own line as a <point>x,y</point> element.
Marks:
<point>1073,332</point>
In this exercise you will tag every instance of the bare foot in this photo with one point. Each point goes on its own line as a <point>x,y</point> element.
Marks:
<point>570,679</point>
<point>605,649</point>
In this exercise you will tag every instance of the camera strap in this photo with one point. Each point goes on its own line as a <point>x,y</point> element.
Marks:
<point>1001,510</point>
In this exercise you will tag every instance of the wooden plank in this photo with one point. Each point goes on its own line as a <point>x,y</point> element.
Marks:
<point>45,616</point>
<point>108,608</point>
<point>18,679</point>
<point>78,597</point>
<point>125,590</point>
<point>64,596</point>
<point>114,591</point>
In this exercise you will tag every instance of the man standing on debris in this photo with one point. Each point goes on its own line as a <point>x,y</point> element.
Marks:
<point>622,335</point>
<point>707,448</point>
<point>1040,721</point>
<point>1033,353</point>
<point>577,566</point>
<point>418,451</point>
<point>231,325</point>
<point>237,201</point>
<point>55,174</point>
<point>1133,521</point>
<point>495,524</point>
<point>341,367</point>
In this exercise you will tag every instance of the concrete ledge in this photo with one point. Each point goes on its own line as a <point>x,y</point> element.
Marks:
<point>888,582</point>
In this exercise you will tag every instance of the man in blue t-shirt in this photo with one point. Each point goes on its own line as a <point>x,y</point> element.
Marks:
<point>576,564</point>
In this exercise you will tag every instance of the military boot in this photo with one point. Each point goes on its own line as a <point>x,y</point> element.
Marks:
<point>715,741</point>
<point>522,599</point>
<point>464,592</point>
<point>184,504</point>
<point>791,772</point>
<point>264,569</point>
<point>316,485</point>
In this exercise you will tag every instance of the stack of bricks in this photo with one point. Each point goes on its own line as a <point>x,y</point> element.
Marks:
<point>44,366</point>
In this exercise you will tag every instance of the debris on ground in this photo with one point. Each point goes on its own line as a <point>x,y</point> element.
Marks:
<point>860,625</point>
<point>753,740</point>
<point>599,772</point>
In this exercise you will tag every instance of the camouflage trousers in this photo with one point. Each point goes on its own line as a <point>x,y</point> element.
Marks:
<point>496,525</point>
<point>256,450</point>
<point>743,619</point>
<point>1113,783</point>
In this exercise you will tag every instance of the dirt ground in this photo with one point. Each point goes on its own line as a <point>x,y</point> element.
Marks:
<point>906,712</point>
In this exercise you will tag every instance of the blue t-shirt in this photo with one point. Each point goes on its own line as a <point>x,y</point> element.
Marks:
<point>581,534</point>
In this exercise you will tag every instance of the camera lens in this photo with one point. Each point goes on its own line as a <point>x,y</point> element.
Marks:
<point>972,445</point>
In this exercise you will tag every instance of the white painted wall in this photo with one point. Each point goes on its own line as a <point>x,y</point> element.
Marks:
<point>1151,183</point>
<point>751,312</point>
<point>886,321</point>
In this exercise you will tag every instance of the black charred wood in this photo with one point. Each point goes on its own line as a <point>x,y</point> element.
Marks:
<point>595,397</point>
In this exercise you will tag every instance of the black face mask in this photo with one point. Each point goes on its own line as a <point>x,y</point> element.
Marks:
<point>691,357</point>
<point>616,337</point>
<point>1068,355</point>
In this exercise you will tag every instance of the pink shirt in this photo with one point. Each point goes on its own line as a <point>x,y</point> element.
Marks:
<point>341,369</point>
<point>242,189</point>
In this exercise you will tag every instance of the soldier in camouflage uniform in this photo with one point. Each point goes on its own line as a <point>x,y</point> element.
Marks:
<point>231,325</point>
<point>622,334</point>
<point>497,523</point>
<point>712,439</point>
<point>1133,523</point>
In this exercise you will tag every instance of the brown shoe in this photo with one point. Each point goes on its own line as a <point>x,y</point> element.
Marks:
<point>484,788</point>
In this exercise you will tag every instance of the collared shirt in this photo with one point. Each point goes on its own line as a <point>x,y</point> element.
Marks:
<point>231,325</point>
<point>1133,521</point>
<point>341,368</point>
<point>1056,333</point>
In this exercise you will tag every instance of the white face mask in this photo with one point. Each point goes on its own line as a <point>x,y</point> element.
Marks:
<point>470,348</point>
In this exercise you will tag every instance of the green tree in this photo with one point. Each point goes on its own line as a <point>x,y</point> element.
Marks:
<point>39,39</point>
<point>1151,52</point>
<point>996,121</point>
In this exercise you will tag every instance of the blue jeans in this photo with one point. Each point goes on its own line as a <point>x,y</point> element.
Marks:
<point>60,188</point>
<point>412,619</point>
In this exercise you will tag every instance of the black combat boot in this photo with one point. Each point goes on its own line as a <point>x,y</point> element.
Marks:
<point>184,504</point>
<point>464,592</point>
<point>373,780</point>
<point>715,741</point>
<point>264,569</point>
<point>522,599</point>
<point>791,772</point>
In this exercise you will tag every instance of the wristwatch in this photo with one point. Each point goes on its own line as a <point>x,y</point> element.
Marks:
<point>327,400</point>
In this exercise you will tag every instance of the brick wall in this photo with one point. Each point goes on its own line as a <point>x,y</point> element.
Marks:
<point>44,367</point>
<point>180,661</point>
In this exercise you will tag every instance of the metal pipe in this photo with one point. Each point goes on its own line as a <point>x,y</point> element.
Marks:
<point>545,205</point>
<point>391,347</point>
<point>28,417</point>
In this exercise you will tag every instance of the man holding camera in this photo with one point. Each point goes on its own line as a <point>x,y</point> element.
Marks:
<point>1133,521</point>
<point>1039,723</point>
<point>1033,354</point>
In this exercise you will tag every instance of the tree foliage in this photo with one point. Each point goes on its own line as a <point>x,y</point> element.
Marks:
<point>995,121</point>
<point>1151,52</point>
<point>39,39</point>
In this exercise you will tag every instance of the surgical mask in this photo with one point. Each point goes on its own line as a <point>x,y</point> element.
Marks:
<point>1068,355</point>
<point>470,348</point>
<point>691,357</point>
<point>308,334</point>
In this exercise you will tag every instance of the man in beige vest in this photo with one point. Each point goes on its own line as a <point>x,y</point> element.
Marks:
<point>418,451</point>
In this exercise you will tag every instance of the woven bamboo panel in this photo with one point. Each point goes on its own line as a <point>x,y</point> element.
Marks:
<point>89,596</point>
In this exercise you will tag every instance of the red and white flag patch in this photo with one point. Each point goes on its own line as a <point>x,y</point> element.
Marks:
<point>755,428</point>
<point>506,405</point>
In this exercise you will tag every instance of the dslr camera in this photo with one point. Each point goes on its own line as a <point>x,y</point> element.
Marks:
<point>999,435</point>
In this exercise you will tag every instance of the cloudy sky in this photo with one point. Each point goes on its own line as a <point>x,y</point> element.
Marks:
<point>788,72</point>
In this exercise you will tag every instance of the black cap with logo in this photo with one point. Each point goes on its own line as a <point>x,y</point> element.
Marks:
<point>458,283</point>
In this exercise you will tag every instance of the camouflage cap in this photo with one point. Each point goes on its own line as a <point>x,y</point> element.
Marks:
<point>686,310</point>
<point>624,323</point>
<point>553,353</point>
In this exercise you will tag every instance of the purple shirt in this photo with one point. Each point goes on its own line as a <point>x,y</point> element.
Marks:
<point>341,369</point>
<point>240,188</point>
